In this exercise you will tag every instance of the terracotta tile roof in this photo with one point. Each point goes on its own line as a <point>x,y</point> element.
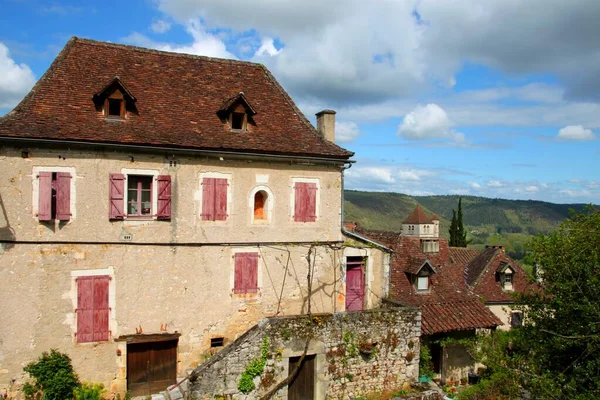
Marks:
<point>414,265</point>
<point>456,316</point>
<point>177,97</point>
<point>462,255</point>
<point>477,265</point>
<point>418,216</point>
<point>488,286</point>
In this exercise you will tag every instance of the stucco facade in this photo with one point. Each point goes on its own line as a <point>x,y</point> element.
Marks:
<point>166,276</point>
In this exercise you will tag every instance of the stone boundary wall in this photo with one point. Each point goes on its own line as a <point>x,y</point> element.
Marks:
<point>355,353</point>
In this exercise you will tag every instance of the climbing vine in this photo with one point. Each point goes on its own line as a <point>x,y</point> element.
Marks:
<point>254,369</point>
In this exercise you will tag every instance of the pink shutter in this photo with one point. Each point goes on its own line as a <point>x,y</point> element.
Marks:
<point>208,199</point>
<point>117,197</point>
<point>45,196</point>
<point>238,279</point>
<point>299,194</point>
<point>164,197</point>
<point>85,309</point>
<point>101,308</point>
<point>310,207</point>
<point>221,199</point>
<point>63,196</point>
<point>246,273</point>
<point>251,273</point>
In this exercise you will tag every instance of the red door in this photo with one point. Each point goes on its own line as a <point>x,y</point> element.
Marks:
<point>355,283</point>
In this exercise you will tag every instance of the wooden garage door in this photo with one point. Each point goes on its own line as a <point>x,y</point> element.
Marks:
<point>151,367</point>
<point>303,385</point>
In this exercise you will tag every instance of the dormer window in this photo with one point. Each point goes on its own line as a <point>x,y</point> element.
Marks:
<point>114,101</point>
<point>506,276</point>
<point>420,272</point>
<point>237,113</point>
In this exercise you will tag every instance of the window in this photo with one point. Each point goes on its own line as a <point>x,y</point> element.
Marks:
<point>92,308</point>
<point>214,199</point>
<point>305,201</point>
<point>246,273</point>
<point>148,195</point>
<point>422,280</point>
<point>260,200</point>
<point>139,195</point>
<point>516,319</point>
<point>238,121</point>
<point>54,195</point>
<point>506,279</point>
<point>114,106</point>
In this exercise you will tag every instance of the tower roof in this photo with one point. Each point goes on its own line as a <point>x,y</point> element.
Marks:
<point>418,216</point>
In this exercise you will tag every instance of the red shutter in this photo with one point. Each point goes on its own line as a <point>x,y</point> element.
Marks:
<point>299,194</point>
<point>221,199</point>
<point>117,197</point>
<point>63,196</point>
<point>246,273</point>
<point>45,196</point>
<point>208,199</point>
<point>101,308</point>
<point>310,207</point>
<point>85,309</point>
<point>164,197</point>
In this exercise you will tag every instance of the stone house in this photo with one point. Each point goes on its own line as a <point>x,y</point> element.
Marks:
<point>423,275</point>
<point>155,206</point>
<point>495,277</point>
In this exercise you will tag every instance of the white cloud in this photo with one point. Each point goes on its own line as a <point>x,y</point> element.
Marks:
<point>267,46</point>
<point>495,184</point>
<point>160,26</point>
<point>575,132</point>
<point>428,122</point>
<point>475,185</point>
<point>373,174</point>
<point>346,132</point>
<point>532,189</point>
<point>15,79</point>
<point>575,193</point>
<point>204,44</point>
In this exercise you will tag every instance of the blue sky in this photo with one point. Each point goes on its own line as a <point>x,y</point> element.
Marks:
<point>490,98</point>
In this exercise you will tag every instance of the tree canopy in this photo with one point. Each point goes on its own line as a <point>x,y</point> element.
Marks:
<point>458,234</point>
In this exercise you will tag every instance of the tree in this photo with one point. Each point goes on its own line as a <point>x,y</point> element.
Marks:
<point>461,233</point>
<point>563,319</point>
<point>453,231</point>
<point>556,355</point>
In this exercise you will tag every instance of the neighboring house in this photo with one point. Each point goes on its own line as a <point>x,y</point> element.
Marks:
<point>422,274</point>
<point>495,278</point>
<point>157,205</point>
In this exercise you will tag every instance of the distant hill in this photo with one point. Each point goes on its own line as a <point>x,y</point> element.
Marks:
<point>488,221</point>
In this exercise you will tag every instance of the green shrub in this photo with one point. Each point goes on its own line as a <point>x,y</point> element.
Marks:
<point>53,377</point>
<point>425,362</point>
<point>89,391</point>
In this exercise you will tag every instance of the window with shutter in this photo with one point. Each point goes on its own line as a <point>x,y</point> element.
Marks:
<point>164,197</point>
<point>246,273</point>
<point>305,202</point>
<point>92,309</point>
<point>214,199</point>
<point>117,196</point>
<point>54,201</point>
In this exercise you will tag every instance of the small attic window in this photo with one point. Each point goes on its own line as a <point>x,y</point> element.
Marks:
<point>238,121</point>
<point>114,106</point>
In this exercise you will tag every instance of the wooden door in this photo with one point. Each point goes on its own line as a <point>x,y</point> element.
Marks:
<point>151,367</point>
<point>302,387</point>
<point>355,283</point>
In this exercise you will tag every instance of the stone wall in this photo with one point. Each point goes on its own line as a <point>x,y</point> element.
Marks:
<point>355,353</point>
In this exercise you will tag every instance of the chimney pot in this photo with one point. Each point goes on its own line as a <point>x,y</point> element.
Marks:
<point>326,124</point>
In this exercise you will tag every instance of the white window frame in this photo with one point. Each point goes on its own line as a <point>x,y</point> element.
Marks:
<point>293,197</point>
<point>35,201</point>
<point>142,172</point>
<point>268,206</point>
<point>509,287</point>
<point>199,194</point>
<point>421,279</point>
<point>112,302</point>
<point>259,277</point>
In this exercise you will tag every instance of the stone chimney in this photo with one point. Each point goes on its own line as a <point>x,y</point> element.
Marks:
<point>326,124</point>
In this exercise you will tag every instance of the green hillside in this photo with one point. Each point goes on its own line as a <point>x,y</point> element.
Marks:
<point>488,221</point>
